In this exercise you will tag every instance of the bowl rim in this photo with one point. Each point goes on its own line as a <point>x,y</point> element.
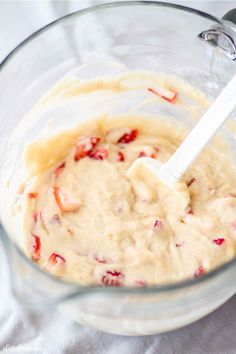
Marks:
<point>107,5</point>
<point>8,242</point>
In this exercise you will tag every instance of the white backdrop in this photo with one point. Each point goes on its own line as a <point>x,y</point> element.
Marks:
<point>18,19</point>
<point>50,333</point>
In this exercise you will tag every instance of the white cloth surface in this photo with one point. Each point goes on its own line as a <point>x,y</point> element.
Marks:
<point>51,333</point>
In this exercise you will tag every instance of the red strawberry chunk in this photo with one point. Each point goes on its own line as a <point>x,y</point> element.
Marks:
<point>112,278</point>
<point>56,259</point>
<point>62,201</point>
<point>199,272</point>
<point>148,153</point>
<point>167,95</point>
<point>99,153</point>
<point>55,219</point>
<point>142,154</point>
<point>157,225</point>
<point>128,137</point>
<point>191,181</point>
<point>35,216</point>
<point>57,195</point>
<point>190,210</point>
<point>38,216</point>
<point>84,146</point>
<point>219,241</point>
<point>36,247</point>
<point>59,170</point>
<point>32,195</point>
<point>120,156</point>
<point>100,259</point>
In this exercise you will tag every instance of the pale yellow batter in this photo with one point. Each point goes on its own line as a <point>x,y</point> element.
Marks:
<point>86,221</point>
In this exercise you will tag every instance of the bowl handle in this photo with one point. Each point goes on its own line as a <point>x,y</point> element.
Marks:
<point>223,36</point>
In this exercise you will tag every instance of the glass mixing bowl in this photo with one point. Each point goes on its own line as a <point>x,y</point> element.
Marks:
<point>138,35</point>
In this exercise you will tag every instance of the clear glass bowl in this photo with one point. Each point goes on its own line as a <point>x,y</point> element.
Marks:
<point>140,35</point>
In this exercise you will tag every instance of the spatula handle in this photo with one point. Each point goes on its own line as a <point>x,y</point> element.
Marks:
<point>202,133</point>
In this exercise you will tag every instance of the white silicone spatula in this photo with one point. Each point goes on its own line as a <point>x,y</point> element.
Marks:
<point>171,172</point>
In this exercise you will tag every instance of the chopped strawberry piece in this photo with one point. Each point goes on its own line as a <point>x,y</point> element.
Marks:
<point>32,195</point>
<point>112,278</point>
<point>99,153</point>
<point>80,153</point>
<point>55,219</point>
<point>84,146</point>
<point>149,152</point>
<point>219,241</point>
<point>128,137</point>
<point>157,225</point>
<point>38,216</point>
<point>56,259</point>
<point>199,272</point>
<point>57,195</point>
<point>100,259</point>
<point>36,247</point>
<point>120,156</point>
<point>190,210</point>
<point>142,154</point>
<point>59,170</point>
<point>191,181</point>
<point>167,95</point>
<point>62,202</point>
<point>35,216</point>
<point>178,245</point>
